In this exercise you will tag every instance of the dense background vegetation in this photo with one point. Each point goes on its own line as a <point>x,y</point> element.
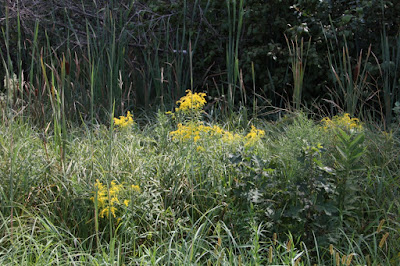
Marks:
<point>273,167</point>
<point>239,51</point>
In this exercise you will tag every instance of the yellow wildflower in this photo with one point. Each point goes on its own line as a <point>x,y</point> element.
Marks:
<point>217,130</point>
<point>253,136</point>
<point>343,122</point>
<point>135,188</point>
<point>191,102</point>
<point>231,137</point>
<point>108,199</point>
<point>195,131</point>
<point>200,149</point>
<point>106,211</point>
<point>188,132</point>
<point>123,121</point>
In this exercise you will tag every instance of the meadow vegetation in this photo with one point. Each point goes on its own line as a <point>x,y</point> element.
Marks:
<point>121,154</point>
<point>296,191</point>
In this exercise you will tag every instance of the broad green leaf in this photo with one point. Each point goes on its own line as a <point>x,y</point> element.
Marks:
<point>357,141</point>
<point>346,19</point>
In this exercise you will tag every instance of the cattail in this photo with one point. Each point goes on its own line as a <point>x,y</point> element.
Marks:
<point>380,225</point>
<point>368,259</point>
<point>337,259</point>
<point>331,251</point>
<point>274,238</point>
<point>356,73</point>
<point>349,259</point>
<point>270,255</point>
<point>67,67</point>
<point>344,259</point>
<point>289,245</point>
<point>383,240</point>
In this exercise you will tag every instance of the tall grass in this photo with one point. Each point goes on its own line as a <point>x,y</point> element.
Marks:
<point>390,72</point>
<point>150,62</point>
<point>298,59</point>
<point>351,84</point>
<point>235,20</point>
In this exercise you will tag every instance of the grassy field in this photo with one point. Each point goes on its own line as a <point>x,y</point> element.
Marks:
<point>179,188</point>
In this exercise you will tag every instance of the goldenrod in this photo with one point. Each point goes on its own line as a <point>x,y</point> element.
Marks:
<point>108,199</point>
<point>191,102</point>
<point>343,122</point>
<point>253,136</point>
<point>196,131</point>
<point>124,121</point>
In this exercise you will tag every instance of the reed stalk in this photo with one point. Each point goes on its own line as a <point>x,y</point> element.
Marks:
<point>390,73</point>
<point>298,59</point>
<point>235,20</point>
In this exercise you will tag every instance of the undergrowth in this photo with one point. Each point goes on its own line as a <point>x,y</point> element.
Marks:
<point>300,192</point>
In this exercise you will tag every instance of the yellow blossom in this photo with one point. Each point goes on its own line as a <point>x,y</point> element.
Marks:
<point>108,198</point>
<point>191,102</point>
<point>343,122</point>
<point>135,188</point>
<point>106,211</point>
<point>196,131</point>
<point>126,203</point>
<point>200,148</point>
<point>253,136</point>
<point>123,121</point>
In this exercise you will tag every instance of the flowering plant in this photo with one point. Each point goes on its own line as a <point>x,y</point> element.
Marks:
<point>196,131</point>
<point>124,121</point>
<point>344,122</point>
<point>191,102</point>
<point>111,199</point>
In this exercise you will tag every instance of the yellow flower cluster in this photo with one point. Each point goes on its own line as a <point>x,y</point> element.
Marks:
<point>191,102</point>
<point>343,122</point>
<point>108,200</point>
<point>253,136</point>
<point>124,121</point>
<point>194,131</point>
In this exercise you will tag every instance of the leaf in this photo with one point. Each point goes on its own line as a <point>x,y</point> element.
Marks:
<point>344,137</point>
<point>342,153</point>
<point>294,212</point>
<point>327,169</point>
<point>327,208</point>
<point>346,19</point>
<point>357,141</point>
<point>354,157</point>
